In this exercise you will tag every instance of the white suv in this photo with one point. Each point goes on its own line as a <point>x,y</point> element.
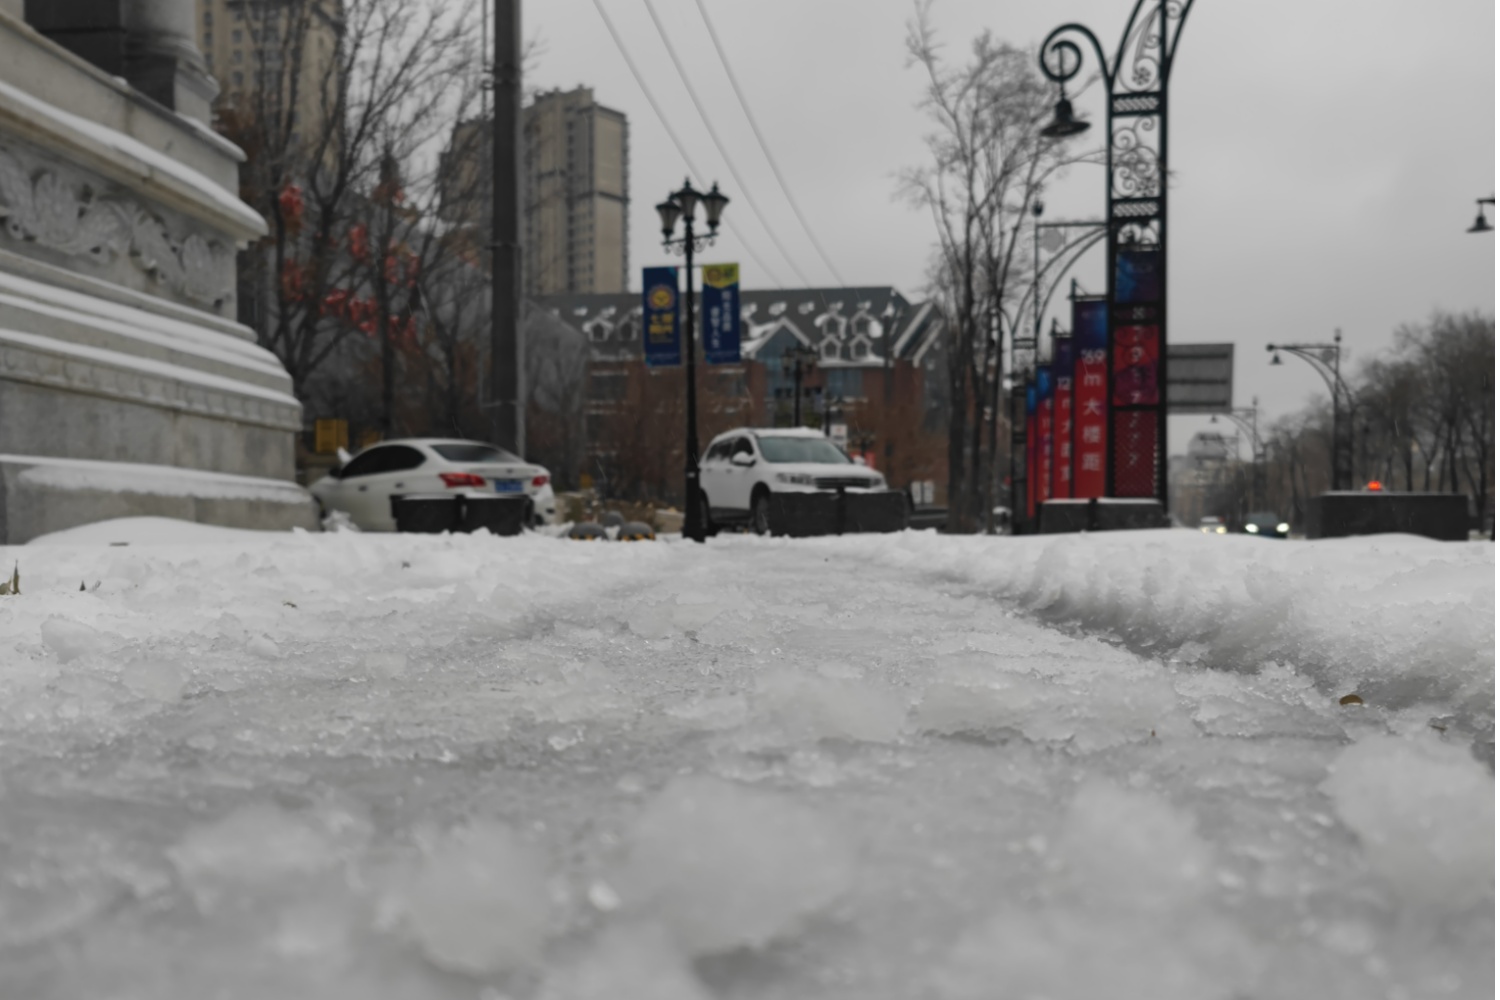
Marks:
<point>743,467</point>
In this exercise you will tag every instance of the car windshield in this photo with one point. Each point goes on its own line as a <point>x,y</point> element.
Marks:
<point>474,451</point>
<point>802,449</point>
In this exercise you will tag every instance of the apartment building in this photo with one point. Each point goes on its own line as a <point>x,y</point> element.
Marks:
<point>575,191</point>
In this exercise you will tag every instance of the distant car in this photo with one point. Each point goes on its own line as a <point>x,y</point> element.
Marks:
<point>1213,526</point>
<point>743,467</point>
<point>1266,524</point>
<point>365,486</point>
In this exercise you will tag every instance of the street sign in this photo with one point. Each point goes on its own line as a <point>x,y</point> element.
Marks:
<point>330,436</point>
<point>1200,378</point>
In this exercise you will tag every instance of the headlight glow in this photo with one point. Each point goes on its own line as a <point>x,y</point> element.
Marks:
<point>1254,529</point>
<point>1220,530</point>
<point>1283,527</point>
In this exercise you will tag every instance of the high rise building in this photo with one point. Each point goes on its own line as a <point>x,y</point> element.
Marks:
<point>273,57</point>
<point>575,197</point>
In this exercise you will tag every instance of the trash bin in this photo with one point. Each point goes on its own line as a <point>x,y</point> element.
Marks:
<point>499,514</point>
<point>426,514</point>
<point>587,531</point>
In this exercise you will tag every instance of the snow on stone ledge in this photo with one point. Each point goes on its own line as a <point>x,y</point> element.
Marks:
<point>157,480</point>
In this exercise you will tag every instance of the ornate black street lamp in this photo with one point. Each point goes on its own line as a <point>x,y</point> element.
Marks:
<point>1066,254</point>
<point>683,205</point>
<point>794,361</point>
<point>1482,224</point>
<point>1326,359</point>
<point>1136,169</point>
<point>1247,419</point>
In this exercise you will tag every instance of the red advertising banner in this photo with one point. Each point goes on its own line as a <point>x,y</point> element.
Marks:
<point>1062,418</point>
<point>1136,352</point>
<point>1090,397</point>
<point>1137,399</point>
<point>1031,450</point>
<point>1135,453</point>
<point>1044,435</point>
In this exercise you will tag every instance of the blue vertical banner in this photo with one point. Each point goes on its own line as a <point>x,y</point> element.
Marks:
<point>661,327</point>
<point>721,314</point>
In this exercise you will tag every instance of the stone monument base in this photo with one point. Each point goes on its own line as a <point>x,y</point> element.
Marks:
<point>40,495</point>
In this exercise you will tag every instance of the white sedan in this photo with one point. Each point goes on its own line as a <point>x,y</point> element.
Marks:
<point>366,485</point>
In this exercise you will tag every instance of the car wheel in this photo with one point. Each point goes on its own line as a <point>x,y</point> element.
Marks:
<point>760,513</point>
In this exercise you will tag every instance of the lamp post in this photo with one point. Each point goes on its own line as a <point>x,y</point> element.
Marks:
<point>683,204</point>
<point>1482,224</point>
<point>794,360</point>
<point>1325,359</point>
<point>1136,85</point>
<point>1247,419</point>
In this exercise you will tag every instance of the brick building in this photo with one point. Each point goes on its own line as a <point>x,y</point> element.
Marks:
<point>878,369</point>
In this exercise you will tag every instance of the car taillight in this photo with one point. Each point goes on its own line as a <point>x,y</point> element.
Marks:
<point>538,481</point>
<point>454,480</point>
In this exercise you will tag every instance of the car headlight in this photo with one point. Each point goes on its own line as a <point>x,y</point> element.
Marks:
<point>1254,529</point>
<point>878,483</point>
<point>1221,530</point>
<point>795,478</point>
<point>1283,527</point>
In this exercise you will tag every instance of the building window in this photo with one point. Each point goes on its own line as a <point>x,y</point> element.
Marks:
<point>830,349</point>
<point>208,19</point>
<point>239,56</point>
<point>607,386</point>
<point>236,36</point>
<point>239,78</point>
<point>860,350</point>
<point>208,39</point>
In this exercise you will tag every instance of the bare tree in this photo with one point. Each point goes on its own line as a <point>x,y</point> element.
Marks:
<point>339,129</point>
<point>989,163</point>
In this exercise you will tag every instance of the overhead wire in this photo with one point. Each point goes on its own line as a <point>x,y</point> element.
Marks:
<point>719,144</point>
<point>681,149</point>
<point>765,147</point>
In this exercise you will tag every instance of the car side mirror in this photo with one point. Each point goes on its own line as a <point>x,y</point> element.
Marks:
<point>743,459</point>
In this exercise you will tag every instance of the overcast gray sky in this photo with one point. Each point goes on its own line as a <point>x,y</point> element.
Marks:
<point>1327,153</point>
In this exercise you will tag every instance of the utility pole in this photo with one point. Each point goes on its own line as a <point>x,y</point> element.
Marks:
<point>507,352</point>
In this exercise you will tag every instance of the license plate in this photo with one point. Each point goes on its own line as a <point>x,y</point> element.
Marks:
<point>507,486</point>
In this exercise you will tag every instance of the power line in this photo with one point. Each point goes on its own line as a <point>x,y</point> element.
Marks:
<point>718,144</point>
<point>764,146</point>
<point>656,108</point>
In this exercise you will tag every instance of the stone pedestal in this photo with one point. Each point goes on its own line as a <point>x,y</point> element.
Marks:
<point>126,386</point>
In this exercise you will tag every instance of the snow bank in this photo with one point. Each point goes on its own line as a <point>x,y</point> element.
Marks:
<point>1397,619</point>
<point>350,765</point>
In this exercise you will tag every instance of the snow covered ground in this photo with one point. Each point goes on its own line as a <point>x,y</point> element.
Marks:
<point>327,766</point>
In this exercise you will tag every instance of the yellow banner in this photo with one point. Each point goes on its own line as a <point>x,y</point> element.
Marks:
<point>721,275</point>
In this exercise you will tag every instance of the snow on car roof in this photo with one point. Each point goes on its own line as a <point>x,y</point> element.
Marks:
<point>800,432</point>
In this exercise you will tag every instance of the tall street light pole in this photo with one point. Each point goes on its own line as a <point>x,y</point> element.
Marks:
<point>1247,419</point>
<point>507,398</point>
<point>1136,195</point>
<point>1325,359</point>
<point>683,204</point>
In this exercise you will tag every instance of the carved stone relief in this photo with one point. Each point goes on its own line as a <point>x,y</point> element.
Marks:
<point>62,210</point>
<point>24,363</point>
